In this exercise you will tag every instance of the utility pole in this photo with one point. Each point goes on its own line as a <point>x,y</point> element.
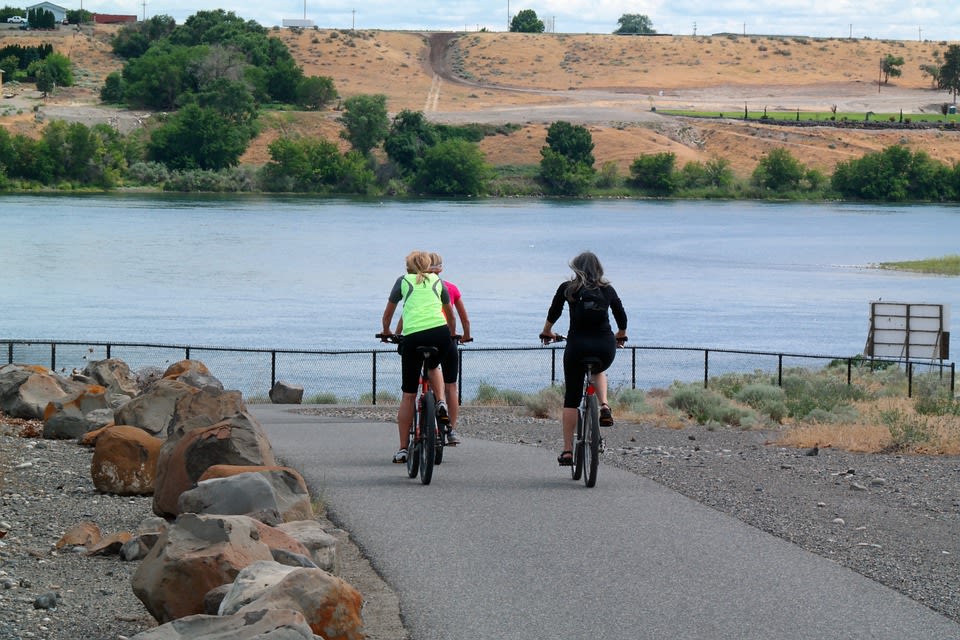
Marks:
<point>353,20</point>
<point>920,33</point>
<point>508,15</point>
<point>694,28</point>
<point>144,3</point>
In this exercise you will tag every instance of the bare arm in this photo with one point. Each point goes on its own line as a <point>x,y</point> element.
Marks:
<point>464,320</point>
<point>388,316</point>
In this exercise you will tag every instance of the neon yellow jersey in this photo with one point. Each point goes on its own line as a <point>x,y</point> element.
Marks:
<point>422,303</point>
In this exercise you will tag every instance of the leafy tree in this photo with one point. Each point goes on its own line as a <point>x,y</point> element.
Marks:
<point>890,65</point>
<point>315,92</point>
<point>893,175</point>
<point>112,90</point>
<point>45,81</point>
<point>41,19</point>
<point>563,176</point>
<point>134,38</point>
<point>57,67</point>
<point>232,99</point>
<point>949,78</point>
<point>572,141</point>
<point>79,16</point>
<point>410,134</point>
<point>933,71</point>
<point>315,166</point>
<point>365,121</point>
<point>655,172</point>
<point>566,164</point>
<point>778,171</point>
<point>452,168</point>
<point>631,23</point>
<point>198,138</point>
<point>526,21</point>
<point>157,79</point>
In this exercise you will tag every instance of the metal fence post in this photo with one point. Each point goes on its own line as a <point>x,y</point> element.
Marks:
<point>53,356</point>
<point>780,370</point>
<point>909,379</point>
<point>373,386</point>
<point>273,369</point>
<point>706,367</point>
<point>633,367</point>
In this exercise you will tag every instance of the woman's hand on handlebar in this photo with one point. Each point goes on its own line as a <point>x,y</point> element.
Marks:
<point>549,336</point>
<point>621,339</point>
<point>388,336</point>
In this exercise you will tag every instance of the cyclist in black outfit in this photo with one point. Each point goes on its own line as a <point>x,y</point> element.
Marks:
<point>590,297</point>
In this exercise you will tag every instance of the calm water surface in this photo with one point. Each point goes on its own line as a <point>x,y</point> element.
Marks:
<point>302,273</point>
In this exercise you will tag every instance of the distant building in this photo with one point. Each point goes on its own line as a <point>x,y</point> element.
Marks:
<point>112,18</point>
<point>293,22</point>
<point>59,13</point>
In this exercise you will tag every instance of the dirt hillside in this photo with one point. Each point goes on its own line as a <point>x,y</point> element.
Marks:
<point>612,84</point>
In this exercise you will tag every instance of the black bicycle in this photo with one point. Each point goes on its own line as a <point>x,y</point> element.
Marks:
<point>427,438</point>
<point>587,443</point>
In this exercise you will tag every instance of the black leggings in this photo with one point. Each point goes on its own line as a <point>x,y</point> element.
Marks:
<point>603,346</point>
<point>412,363</point>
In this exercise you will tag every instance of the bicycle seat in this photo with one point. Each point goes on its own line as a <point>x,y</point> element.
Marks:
<point>428,352</point>
<point>591,361</point>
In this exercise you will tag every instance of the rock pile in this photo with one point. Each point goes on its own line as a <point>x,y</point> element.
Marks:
<point>234,547</point>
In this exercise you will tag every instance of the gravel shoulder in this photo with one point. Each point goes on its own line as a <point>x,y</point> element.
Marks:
<point>893,518</point>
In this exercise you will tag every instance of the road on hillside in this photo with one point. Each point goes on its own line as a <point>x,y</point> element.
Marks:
<point>503,544</point>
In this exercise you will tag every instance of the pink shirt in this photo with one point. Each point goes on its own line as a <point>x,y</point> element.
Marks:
<point>453,291</point>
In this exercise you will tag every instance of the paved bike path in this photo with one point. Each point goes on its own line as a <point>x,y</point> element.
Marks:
<point>518,550</point>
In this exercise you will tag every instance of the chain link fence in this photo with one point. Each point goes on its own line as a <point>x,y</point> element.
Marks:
<point>372,376</point>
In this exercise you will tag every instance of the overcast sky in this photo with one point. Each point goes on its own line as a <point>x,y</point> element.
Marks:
<point>878,19</point>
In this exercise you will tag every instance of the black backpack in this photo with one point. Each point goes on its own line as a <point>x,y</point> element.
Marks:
<point>589,306</point>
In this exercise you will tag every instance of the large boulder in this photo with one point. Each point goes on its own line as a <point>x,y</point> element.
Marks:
<point>321,545</point>
<point>125,461</point>
<point>239,490</point>
<point>153,410</point>
<point>26,390</point>
<point>73,415</point>
<point>115,375</point>
<point>285,393</point>
<point>196,554</point>
<point>185,455</point>
<point>263,625</point>
<point>194,373</point>
<point>330,605</point>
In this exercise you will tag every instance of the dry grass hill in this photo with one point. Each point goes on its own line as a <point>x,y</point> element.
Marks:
<point>612,84</point>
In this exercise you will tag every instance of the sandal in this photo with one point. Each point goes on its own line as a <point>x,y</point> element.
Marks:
<point>565,459</point>
<point>606,416</point>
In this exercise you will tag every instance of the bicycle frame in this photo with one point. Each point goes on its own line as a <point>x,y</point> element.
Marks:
<point>587,443</point>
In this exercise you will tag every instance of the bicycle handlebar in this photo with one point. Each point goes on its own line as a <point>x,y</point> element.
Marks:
<point>547,339</point>
<point>396,338</point>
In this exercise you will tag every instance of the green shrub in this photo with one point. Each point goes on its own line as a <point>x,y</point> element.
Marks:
<point>766,399</point>
<point>546,403</point>
<point>324,397</point>
<point>705,405</point>
<point>806,393</point>
<point>632,400</point>
<point>489,395</point>
<point>383,397</point>
<point>906,431</point>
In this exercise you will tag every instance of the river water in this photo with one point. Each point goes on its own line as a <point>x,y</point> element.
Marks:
<point>308,273</point>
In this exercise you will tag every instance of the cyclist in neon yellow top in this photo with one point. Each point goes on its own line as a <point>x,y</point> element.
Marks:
<point>428,320</point>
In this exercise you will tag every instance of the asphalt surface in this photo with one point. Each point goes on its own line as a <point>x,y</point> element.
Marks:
<point>504,544</point>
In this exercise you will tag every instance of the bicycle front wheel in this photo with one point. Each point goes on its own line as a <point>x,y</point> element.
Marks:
<point>428,438</point>
<point>591,445</point>
<point>413,445</point>
<point>576,470</point>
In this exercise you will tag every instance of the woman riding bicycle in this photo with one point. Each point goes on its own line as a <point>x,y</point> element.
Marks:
<point>589,296</point>
<point>428,320</point>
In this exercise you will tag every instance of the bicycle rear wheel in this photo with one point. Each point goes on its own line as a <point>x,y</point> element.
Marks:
<point>413,445</point>
<point>428,438</point>
<point>576,470</point>
<point>591,445</point>
<point>441,445</point>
